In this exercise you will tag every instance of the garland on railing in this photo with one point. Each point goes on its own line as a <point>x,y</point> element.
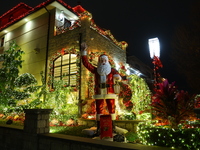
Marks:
<point>61,29</point>
<point>85,14</point>
<point>109,35</point>
<point>106,33</point>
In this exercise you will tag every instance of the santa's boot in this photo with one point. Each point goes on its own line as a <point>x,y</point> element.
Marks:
<point>97,133</point>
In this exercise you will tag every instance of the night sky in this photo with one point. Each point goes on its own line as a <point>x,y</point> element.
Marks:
<point>135,21</point>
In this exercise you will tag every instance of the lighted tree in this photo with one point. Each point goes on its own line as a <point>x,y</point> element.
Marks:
<point>141,95</point>
<point>61,98</point>
<point>25,86</point>
<point>12,62</point>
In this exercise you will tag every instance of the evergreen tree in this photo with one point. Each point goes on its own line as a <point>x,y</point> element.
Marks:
<point>12,62</point>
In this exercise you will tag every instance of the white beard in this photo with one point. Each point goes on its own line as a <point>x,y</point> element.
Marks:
<point>103,71</point>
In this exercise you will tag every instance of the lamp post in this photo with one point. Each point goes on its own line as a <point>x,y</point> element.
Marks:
<point>154,49</point>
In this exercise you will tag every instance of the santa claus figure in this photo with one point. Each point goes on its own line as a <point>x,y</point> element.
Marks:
<point>105,82</point>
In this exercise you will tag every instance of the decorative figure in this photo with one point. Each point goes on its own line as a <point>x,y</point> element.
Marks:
<point>106,78</point>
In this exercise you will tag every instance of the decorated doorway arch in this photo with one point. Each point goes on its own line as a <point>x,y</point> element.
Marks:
<point>64,65</point>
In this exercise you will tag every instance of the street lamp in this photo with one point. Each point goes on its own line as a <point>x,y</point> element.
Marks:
<point>154,47</point>
<point>154,50</point>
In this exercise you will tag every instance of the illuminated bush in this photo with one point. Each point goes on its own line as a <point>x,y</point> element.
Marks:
<point>141,95</point>
<point>171,105</point>
<point>185,138</point>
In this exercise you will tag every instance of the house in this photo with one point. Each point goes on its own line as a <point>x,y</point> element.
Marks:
<point>50,34</point>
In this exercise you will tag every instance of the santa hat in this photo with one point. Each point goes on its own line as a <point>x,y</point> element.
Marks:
<point>103,56</point>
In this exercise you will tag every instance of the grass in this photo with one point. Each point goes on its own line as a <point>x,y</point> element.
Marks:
<point>69,130</point>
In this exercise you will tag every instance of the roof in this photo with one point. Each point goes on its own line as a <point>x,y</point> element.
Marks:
<point>14,17</point>
<point>22,10</point>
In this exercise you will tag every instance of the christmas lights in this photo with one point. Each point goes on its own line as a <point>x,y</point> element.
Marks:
<point>184,138</point>
<point>60,53</point>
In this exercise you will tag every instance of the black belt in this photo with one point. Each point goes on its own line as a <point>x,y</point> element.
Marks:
<point>103,85</point>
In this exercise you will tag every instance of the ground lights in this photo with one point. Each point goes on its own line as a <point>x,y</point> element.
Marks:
<point>168,102</point>
<point>187,138</point>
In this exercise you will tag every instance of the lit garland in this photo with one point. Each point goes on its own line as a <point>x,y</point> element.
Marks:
<point>108,34</point>
<point>17,6</point>
<point>126,94</point>
<point>50,1</point>
<point>122,70</point>
<point>81,12</point>
<point>60,30</point>
<point>60,53</point>
<point>17,18</point>
<point>85,14</point>
<point>63,3</point>
<point>91,85</point>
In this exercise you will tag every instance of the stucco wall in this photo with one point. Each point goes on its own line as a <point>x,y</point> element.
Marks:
<point>31,36</point>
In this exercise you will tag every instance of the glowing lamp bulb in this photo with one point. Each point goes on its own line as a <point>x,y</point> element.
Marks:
<point>154,47</point>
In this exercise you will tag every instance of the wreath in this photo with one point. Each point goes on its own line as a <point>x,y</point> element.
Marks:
<point>126,94</point>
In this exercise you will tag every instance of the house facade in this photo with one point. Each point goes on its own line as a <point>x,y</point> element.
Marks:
<point>50,34</point>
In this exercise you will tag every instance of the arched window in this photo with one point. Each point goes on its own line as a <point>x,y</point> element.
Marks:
<point>65,68</point>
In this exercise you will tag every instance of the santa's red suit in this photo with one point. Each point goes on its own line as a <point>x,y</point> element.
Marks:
<point>103,91</point>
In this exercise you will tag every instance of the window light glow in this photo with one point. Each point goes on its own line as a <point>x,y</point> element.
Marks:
<point>61,15</point>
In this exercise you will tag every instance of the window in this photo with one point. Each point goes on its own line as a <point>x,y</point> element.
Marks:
<point>65,68</point>
<point>67,23</point>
